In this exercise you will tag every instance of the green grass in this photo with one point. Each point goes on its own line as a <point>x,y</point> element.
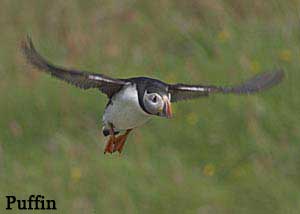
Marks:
<point>223,154</point>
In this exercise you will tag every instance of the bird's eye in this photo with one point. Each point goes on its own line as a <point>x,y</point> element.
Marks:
<point>154,99</point>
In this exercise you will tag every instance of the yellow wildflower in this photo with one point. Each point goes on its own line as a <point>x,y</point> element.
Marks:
<point>224,36</point>
<point>285,55</point>
<point>209,170</point>
<point>76,174</point>
<point>255,66</point>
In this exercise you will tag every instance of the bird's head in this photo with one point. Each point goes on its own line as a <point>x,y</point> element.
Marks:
<point>158,102</point>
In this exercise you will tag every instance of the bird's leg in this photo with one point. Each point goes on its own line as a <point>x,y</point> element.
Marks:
<point>120,141</point>
<point>110,145</point>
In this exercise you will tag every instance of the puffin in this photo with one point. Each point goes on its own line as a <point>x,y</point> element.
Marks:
<point>133,101</point>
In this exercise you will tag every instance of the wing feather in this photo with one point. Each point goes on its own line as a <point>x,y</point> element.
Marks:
<point>81,79</point>
<point>258,83</point>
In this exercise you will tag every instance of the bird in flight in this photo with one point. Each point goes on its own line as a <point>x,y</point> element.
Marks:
<point>135,100</point>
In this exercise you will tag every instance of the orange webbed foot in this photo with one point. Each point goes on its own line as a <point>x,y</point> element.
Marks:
<point>120,141</point>
<point>116,143</point>
<point>110,145</point>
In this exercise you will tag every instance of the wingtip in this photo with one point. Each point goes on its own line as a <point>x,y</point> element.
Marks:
<point>257,83</point>
<point>31,55</point>
<point>26,44</point>
<point>278,76</point>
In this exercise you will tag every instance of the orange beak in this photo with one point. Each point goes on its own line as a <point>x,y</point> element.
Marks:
<point>167,110</point>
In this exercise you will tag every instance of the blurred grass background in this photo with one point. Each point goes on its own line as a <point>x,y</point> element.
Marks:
<point>223,154</point>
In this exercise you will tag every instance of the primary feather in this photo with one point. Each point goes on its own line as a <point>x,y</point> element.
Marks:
<point>258,83</point>
<point>81,79</point>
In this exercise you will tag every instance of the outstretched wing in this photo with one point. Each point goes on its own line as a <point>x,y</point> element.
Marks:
<point>81,79</point>
<point>257,83</point>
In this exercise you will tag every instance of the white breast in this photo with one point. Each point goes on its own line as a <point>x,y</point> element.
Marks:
<point>125,112</point>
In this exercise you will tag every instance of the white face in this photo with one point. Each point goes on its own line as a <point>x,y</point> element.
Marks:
<point>153,103</point>
<point>157,105</point>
